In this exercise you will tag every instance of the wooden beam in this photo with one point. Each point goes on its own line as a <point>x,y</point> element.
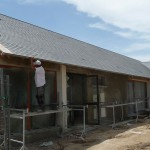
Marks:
<point>11,61</point>
<point>139,80</point>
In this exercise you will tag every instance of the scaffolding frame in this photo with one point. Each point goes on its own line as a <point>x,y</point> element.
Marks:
<point>22,114</point>
<point>115,104</point>
<point>80,108</point>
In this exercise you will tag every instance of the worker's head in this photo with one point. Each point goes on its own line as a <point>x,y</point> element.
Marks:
<point>37,63</point>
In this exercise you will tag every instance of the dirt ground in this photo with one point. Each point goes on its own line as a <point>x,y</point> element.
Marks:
<point>131,136</point>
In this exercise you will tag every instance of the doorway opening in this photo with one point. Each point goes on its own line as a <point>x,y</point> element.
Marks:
<point>83,90</point>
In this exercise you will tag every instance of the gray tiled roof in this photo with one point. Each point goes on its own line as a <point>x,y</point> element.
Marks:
<point>24,39</point>
<point>147,64</point>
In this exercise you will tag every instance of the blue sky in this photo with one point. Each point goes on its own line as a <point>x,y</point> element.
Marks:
<point>122,26</point>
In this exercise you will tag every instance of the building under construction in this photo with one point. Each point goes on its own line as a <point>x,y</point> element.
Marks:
<point>85,84</point>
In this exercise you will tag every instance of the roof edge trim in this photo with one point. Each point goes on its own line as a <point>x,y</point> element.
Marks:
<point>4,49</point>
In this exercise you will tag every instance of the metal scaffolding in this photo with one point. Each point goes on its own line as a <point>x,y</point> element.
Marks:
<point>121,105</point>
<point>21,114</point>
<point>80,108</point>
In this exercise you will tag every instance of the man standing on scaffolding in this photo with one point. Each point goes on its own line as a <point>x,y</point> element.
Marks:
<point>40,83</point>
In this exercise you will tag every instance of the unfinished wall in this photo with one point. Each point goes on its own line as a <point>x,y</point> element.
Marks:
<point>18,79</point>
<point>116,91</point>
<point>112,88</point>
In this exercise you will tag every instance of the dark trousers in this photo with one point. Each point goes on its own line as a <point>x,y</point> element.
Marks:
<point>40,96</point>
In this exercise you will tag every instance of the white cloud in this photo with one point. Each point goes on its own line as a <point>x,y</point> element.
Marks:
<point>124,14</point>
<point>145,37</point>
<point>138,47</point>
<point>142,58</point>
<point>100,26</point>
<point>124,34</point>
<point>128,35</point>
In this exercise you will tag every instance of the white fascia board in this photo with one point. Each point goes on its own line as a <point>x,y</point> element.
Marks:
<point>4,49</point>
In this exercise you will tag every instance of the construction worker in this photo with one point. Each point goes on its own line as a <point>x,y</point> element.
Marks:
<point>40,83</point>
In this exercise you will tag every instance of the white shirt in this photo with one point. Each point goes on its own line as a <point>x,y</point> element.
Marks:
<point>39,76</point>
